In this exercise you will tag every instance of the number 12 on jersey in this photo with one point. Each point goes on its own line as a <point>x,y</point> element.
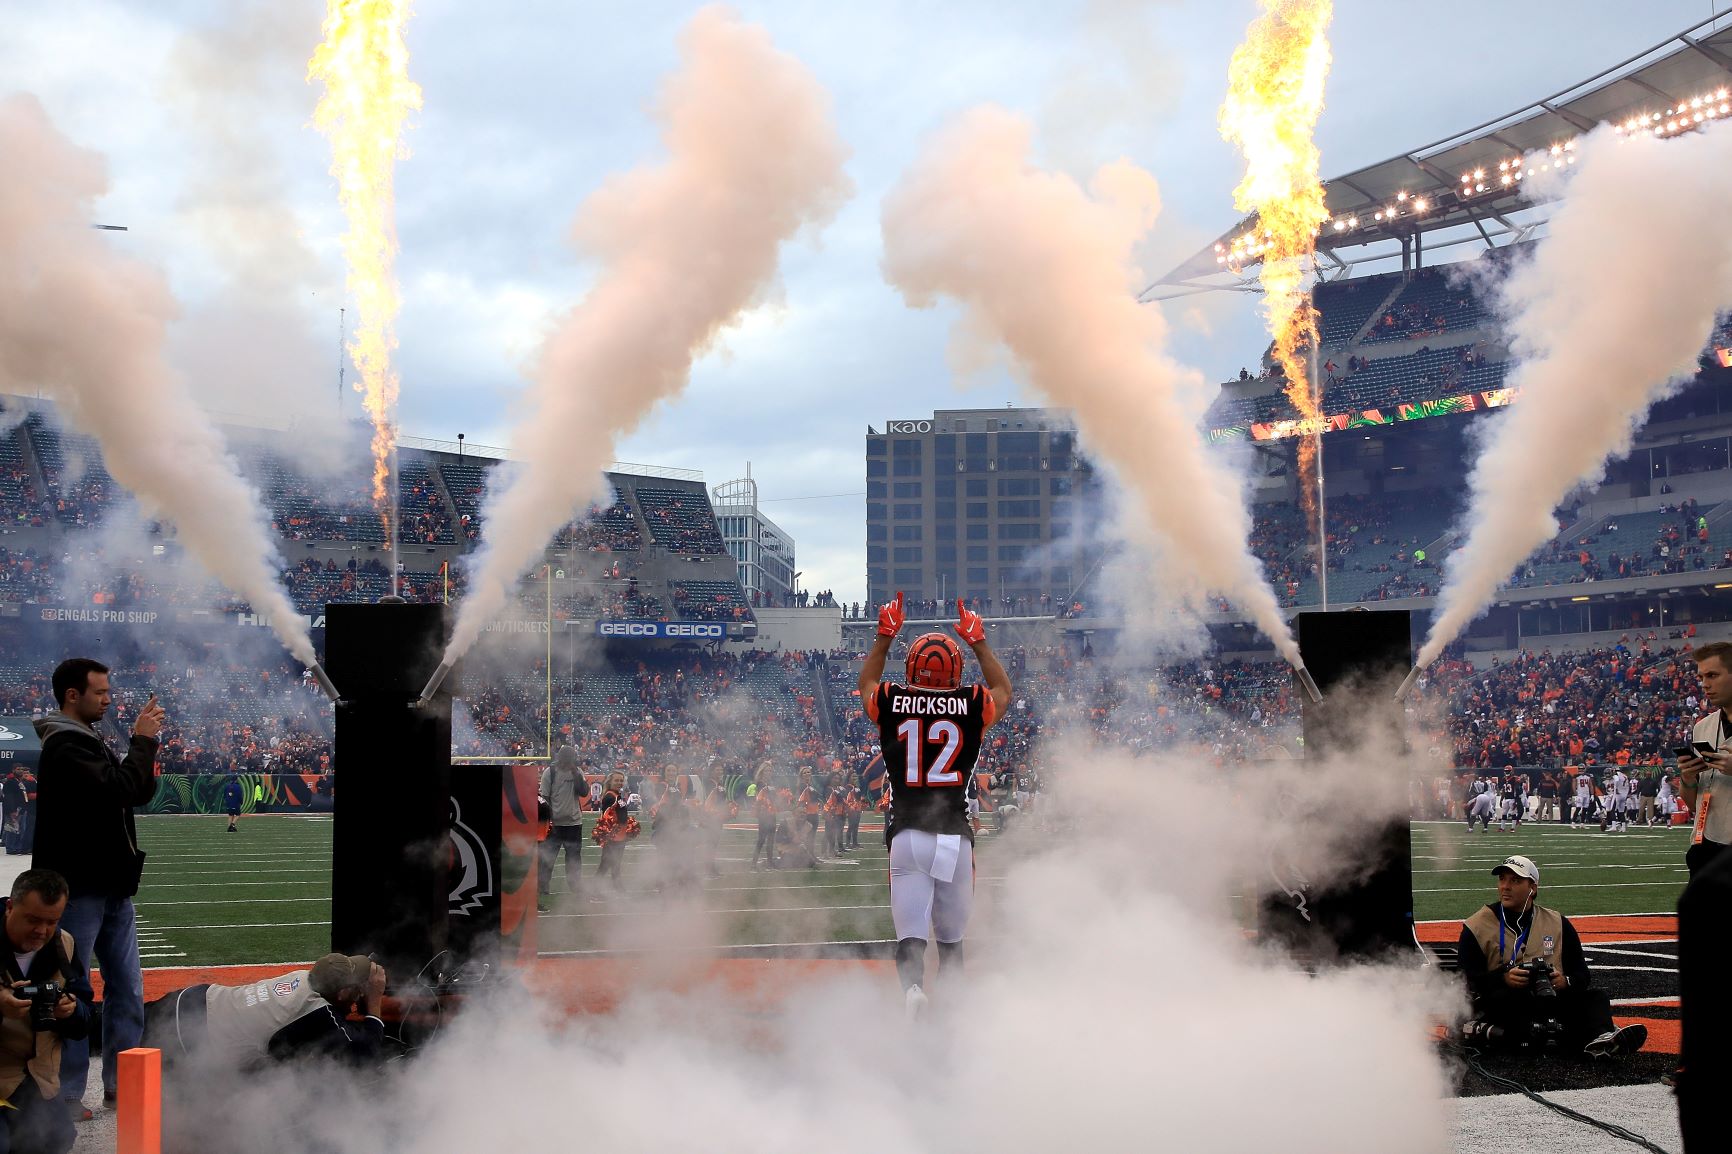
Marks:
<point>946,737</point>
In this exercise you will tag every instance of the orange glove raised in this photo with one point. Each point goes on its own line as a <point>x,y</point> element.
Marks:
<point>969,627</point>
<point>890,617</point>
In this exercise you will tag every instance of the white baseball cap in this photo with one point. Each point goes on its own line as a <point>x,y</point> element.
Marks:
<point>1520,866</point>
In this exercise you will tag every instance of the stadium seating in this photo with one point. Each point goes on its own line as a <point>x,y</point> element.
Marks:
<point>710,601</point>
<point>1433,302</point>
<point>680,520</point>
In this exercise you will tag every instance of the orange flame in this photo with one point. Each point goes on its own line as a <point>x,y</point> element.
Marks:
<point>364,65</point>
<point>1274,97</point>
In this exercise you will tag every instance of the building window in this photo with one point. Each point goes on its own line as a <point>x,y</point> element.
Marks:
<point>906,449</point>
<point>1060,530</point>
<point>906,467</point>
<point>975,444</point>
<point>907,489</point>
<point>1058,486</point>
<point>874,512</point>
<point>944,532</point>
<point>944,444</point>
<point>874,532</point>
<point>876,490</point>
<point>1028,443</point>
<point>907,533</point>
<point>945,554</point>
<point>875,446</point>
<point>945,487</point>
<point>1011,552</point>
<point>1019,508</point>
<point>906,553</point>
<point>944,510</point>
<point>978,532</point>
<point>875,553</point>
<point>1024,531</point>
<point>906,512</point>
<point>978,553</point>
<point>875,468</point>
<point>961,426</point>
<point>975,488</point>
<point>1019,487</point>
<point>907,579</point>
<point>975,509</point>
<point>977,577</point>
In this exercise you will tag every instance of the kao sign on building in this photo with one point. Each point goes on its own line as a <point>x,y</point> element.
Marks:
<point>908,426</point>
<point>644,630</point>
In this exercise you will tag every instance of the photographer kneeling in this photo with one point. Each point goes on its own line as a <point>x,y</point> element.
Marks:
<point>45,999</point>
<point>1528,978</point>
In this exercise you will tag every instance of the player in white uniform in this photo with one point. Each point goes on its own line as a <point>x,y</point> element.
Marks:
<point>1584,798</point>
<point>1617,798</point>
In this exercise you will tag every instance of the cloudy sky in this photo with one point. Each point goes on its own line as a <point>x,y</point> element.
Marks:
<point>204,116</point>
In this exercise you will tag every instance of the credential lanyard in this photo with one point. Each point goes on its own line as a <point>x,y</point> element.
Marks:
<point>1521,939</point>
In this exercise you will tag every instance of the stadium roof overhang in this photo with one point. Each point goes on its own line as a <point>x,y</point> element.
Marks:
<point>1468,189</point>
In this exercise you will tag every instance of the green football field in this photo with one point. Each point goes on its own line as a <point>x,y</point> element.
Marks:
<point>263,895</point>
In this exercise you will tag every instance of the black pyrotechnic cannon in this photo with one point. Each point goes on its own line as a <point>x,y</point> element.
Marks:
<point>391,846</point>
<point>1365,909</point>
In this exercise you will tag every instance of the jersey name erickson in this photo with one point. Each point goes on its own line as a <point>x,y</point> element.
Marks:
<point>957,705</point>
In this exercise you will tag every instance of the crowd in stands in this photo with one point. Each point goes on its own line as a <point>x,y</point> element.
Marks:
<point>794,599</point>
<point>224,715</point>
<point>1676,538</point>
<point>681,521</point>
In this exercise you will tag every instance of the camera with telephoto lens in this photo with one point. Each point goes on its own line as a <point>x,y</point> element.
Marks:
<point>1539,972</point>
<point>43,997</point>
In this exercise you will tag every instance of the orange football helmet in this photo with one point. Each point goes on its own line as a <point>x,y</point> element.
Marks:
<point>935,662</point>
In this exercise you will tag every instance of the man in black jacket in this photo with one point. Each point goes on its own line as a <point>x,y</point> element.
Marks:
<point>85,832</point>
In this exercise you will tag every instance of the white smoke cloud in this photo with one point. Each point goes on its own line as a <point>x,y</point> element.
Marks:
<point>258,343</point>
<point>1608,317</point>
<point>1043,268</point>
<point>684,247</point>
<point>88,325</point>
<point>1111,1002</point>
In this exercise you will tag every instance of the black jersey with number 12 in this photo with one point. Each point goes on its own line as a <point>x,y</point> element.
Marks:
<point>931,739</point>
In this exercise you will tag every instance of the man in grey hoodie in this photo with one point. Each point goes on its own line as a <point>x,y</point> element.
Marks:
<point>85,832</point>
<point>563,788</point>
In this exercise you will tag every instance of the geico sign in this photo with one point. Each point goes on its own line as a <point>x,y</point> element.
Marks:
<point>660,629</point>
<point>908,426</point>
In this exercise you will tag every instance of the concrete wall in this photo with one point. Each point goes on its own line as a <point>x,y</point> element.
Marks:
<point>797,629</point>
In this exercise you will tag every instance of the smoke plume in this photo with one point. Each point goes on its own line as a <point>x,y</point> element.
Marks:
<point>252,343</point>
<point>684,247</point>
<point>1608,317</point>
<point>1044,268</point>
<point>89,326</point>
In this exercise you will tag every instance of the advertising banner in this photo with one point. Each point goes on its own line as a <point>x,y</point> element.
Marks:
<point>648,630</point>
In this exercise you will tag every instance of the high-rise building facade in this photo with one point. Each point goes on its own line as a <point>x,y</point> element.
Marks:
<point>988,504</point>
<point>762,550</point>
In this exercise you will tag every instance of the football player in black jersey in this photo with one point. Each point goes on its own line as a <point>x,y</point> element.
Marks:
<point>930,728</point>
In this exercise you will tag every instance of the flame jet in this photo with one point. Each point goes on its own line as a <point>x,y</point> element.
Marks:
<point>684,248</point>
<point>1274,97</point>
<point>364,66</point>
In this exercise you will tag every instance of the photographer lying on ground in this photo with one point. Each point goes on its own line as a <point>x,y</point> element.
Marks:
<point>303,1013</point>
<point>1528,978</point>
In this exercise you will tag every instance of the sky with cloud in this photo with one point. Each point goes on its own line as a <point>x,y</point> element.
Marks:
<point>204,116</point>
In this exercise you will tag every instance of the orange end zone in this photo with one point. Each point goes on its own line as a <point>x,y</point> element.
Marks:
<point>1590,927</point>
<point>588,985</point>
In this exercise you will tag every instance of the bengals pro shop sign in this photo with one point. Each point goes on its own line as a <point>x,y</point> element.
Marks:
<point>18,744</point>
